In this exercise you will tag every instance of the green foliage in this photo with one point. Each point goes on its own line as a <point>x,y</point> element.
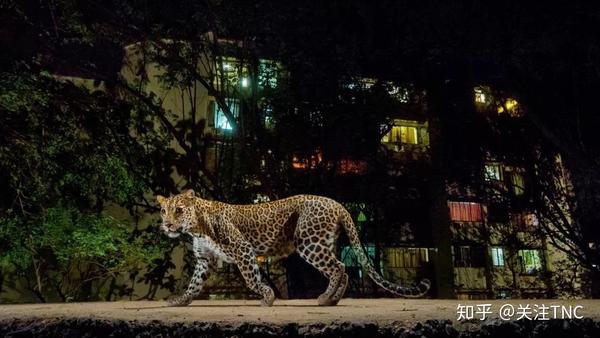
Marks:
<point>61,142</point>
<point>65,155</point>
<point>52,246</point>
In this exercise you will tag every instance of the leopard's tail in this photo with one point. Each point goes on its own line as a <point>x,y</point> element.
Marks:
<point>404,291</point>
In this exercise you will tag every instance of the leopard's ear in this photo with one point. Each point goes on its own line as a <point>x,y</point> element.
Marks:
<point>161,199</point>
<point>189,193</point>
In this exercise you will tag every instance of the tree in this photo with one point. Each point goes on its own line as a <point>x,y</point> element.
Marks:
<point>321,45</point>
<point>64,156</point>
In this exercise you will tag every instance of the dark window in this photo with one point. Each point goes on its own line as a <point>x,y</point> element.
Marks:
<point>498,213</point>
<point>469,256</point>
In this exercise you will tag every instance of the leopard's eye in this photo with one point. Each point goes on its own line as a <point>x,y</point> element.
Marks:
<point>179,210</point>
<point>163,211</point>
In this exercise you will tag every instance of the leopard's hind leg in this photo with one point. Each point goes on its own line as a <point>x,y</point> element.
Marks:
<point>315,242</point>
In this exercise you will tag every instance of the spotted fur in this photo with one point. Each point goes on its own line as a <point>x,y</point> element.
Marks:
<point>307,224</point>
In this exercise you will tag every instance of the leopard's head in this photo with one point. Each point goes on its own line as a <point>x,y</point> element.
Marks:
<point>178,213</point>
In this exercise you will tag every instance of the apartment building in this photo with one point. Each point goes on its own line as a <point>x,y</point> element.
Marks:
<point>495,247</point>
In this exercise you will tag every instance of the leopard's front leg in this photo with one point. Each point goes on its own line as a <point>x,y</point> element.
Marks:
<point>198,277</point>
<point>245,258</point>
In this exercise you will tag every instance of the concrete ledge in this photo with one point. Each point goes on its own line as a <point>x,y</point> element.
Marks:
<point>291,318</point>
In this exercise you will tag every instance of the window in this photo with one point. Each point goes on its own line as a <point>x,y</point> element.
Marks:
<point>497,256</point>
<point>480,95</point>
<point>468,256</point>
<point>349,258</point>
<point>517,183</point>
<point>465,211</point>
<point>267,112</point>
<point>498,212</point>
<point>408,135</point>
<point>510,107</point>
<point>462,256</point>
<point>531,220</point>
<point>531,260</point>
<point>524,221</point>
<point>401,134</point>
<point>405,132</point>
<point>348,166</point>
<point>231,73</point>
<point>218,116</point>
<point>402,94</point>
<point>503,294</point>
<point>470,296</point>
<point>406,257</point>
<point>268,71</point>
<point>361,83</point>
<point>307,162</point>
<point>493,172</point>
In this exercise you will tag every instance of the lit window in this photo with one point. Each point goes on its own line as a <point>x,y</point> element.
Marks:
<point>298,163</point>
<point>531,220</point>
<point>268,72</point>
<point>227,66</point>
<point>402,94</point>
<point>231,73</point>
<point>349,258</point>
<point>503,294</point>
<point>510,107</point>
<point>220,120</point>
<point>531,261</point>
<point>366,83</point>
<point>493,172</point>
<point>406,257</point>
<point>267,110</point>
<point>303,162</point>
<point>498,256</point>
<point>402,134</point>
<point>518,183</point>
<point>348,166</point>
<point>408,135</point>
<point>511,104</point>
<point>524,221</point>
<point>480,96</point>
<point>465,211</point>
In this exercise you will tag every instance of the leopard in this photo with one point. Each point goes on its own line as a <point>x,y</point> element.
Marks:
<point>237,233</point>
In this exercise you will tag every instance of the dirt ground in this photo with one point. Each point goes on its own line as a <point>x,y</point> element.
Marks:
<point>379,311</point>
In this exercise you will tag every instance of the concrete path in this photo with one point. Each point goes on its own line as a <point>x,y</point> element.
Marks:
<point>380,311</point>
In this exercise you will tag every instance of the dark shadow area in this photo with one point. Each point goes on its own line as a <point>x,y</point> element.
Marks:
<point>432,328</point>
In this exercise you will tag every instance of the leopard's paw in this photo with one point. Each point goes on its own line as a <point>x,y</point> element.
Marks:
<point>268,299</point>
<point>182,300</point>
<point>327,300</point>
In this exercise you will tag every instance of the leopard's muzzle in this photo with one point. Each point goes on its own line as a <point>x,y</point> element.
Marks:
<point>171,230</point>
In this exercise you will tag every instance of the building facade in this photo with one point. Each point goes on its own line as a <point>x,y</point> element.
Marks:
<point>476,239</point>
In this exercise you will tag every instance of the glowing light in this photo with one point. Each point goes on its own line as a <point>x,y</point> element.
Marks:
<point>310,162</point>
<point>348,166</point>
<point>244,82</point>
<point>480,96</point>
<point>511,104</point>
<point>511,107</point>
<point>402,134</point>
